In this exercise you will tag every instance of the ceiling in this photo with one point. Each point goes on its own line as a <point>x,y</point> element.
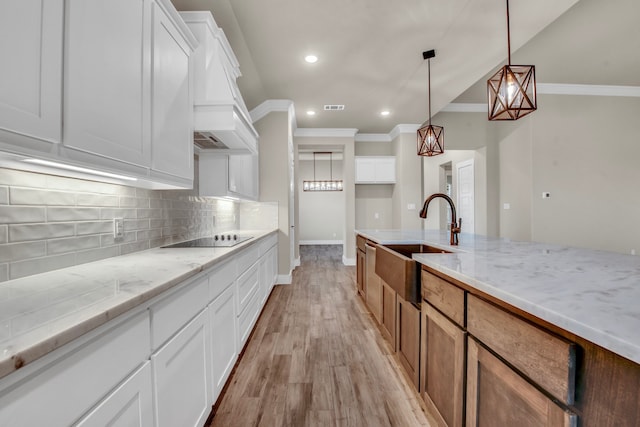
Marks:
<point>370,51</point>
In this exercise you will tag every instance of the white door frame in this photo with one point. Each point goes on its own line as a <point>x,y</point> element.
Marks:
<point>466,210</point>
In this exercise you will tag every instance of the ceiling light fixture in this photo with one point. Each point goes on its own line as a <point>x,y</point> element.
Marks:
<point>430,137</point>
<point>316,185</point>
<point>385,113</point>
<point>512,90</point>
<point>311,59</point>
<point>311,113</point>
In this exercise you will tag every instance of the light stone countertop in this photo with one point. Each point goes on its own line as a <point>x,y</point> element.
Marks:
<point>592,294</point>
<point>40,313</point>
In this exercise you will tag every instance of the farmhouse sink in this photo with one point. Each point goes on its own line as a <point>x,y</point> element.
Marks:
<point>395,266</point>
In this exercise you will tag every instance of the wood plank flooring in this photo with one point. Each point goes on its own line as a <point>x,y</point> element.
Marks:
<point>317,358</point>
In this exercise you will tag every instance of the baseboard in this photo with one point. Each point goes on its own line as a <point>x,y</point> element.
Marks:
<point>321,242</point>
<point>284,279</point>
<point>348,261</point>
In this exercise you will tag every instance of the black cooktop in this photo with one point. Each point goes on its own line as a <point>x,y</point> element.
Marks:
<point>217,241</point>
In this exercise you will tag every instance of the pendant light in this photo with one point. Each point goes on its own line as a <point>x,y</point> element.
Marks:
<point>512,90</point>
<point>430,137</point>
<point>322,185</point>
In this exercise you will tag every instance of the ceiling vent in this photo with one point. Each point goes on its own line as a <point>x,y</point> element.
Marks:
<point>334,107</point>
<point>207,141</point>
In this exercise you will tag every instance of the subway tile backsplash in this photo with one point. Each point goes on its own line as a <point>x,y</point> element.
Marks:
<point>49,222</point>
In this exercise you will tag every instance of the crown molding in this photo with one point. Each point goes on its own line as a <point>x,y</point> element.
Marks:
<point>326,132</point>
<point>403,128</point>
<point>464,108</point>
<point>589,90</point>
<point>387,137</point>
<point>373,137</point>
<point>555,89</point>
<point>270,106</point>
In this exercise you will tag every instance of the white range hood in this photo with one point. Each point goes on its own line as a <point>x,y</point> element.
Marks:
<point>221,119</point>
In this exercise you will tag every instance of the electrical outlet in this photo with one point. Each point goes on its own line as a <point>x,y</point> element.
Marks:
<point>118,228</point>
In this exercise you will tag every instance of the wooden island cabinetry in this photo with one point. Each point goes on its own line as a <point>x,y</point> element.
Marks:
<point>486,363</point>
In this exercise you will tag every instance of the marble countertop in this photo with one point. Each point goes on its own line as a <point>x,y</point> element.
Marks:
<point>592,294</point>
<point>42,312</point>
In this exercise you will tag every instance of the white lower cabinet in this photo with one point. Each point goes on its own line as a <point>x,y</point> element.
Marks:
<point>130,405</point>
<point>61,391</point>
<point>224,347</point>
<point>182,377</point>
<point>163,364</point>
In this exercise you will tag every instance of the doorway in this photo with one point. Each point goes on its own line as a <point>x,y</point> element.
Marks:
<point>466,194</point>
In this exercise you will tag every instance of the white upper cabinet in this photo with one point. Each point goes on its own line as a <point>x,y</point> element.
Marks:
<point>107,77</point>
<point>229,175</point>
<point>31,71</point>
<point>172,107</point>
<point>375,170</point>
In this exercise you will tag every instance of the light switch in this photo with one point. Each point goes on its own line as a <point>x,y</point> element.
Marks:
<point>376,215</point>
<point>506,206</point>
<point>411,206</point>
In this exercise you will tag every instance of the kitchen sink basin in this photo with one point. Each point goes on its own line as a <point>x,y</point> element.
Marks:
<point>395,266</point>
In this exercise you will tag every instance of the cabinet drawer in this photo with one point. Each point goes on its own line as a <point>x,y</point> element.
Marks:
<point>66,389</point>
<point>247,319</point>
<point>221,277</point>
<point>498,396</point>
<point>360,242</point>
<point>267,243</point>
<point>175,311</point>
<point>548,360</point>
<point>444,296</point>
<point>247,258</point>
<point>247,286</point>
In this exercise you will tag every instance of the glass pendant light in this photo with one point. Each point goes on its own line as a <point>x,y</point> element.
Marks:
<point>323,185</point>
<point>512,90</point>
<point>430,137</point>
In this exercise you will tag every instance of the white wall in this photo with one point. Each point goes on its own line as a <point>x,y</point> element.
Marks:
<point>274,130</point>
<point>372,199</point>
<point>408,188</point>
<point>321,213</point>
<point>586,153</point>
<point>434,183</point>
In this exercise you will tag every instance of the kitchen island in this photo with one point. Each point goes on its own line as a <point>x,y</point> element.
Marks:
<point>510,299</point>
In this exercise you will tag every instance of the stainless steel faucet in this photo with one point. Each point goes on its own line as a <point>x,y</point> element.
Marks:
<point>455,226</point>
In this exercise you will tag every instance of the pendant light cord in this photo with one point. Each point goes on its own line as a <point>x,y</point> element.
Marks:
<point>508,36</point>
<point>429,79</point>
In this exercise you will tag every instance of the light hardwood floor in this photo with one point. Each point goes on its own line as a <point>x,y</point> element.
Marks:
<point>317,358</point>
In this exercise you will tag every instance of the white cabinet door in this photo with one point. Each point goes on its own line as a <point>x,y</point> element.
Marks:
<point>70,386</point>
<point>172,108</point>
<point>273,255</point>
<point>243,172</point>
<point>375,170</point>
<point>385,169</point>
<point>107,77</point>
<point>182,377</point>
<point>224,346</point>
<point>130,405</point>
<point>365,169</point>
<point>31,71</point>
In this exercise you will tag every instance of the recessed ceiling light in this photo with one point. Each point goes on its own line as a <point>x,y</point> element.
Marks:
<point>311,59</point>
<point>385,112</point>
<point>311,113</point>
